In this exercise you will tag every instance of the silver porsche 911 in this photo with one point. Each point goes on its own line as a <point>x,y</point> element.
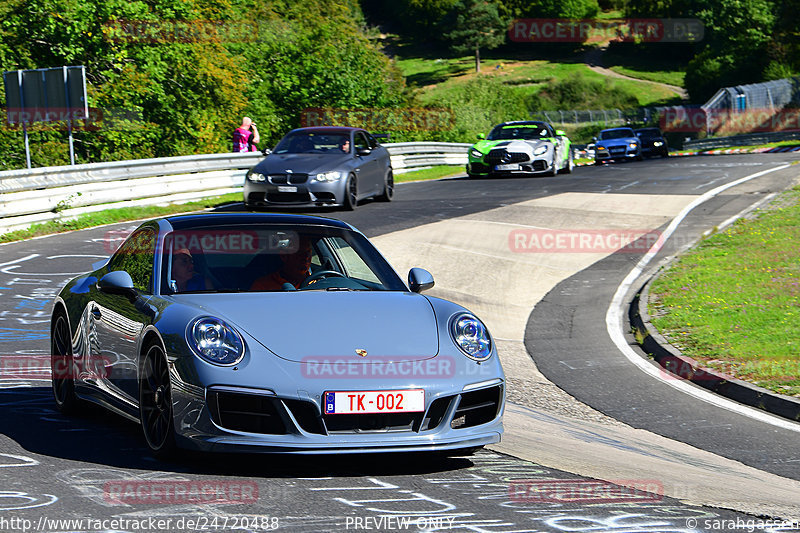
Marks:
<point>273,333</point>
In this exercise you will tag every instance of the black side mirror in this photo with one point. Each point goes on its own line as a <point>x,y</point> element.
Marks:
<point>419,280</point>
<point>266,151</point>
<point>363,151</point>
<point>118,282</point>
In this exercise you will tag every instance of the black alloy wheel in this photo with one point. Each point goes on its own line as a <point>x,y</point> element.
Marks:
<point>155,403</point>
<point>62,365</point>
<point>388,188</point>
<point>350,193</point>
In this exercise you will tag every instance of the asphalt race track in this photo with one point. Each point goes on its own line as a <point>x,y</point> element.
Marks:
<point>550,308</point>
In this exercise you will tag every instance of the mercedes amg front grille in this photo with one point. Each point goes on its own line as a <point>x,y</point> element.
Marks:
<point>501,157</point>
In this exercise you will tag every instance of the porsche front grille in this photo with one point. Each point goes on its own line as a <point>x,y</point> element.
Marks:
<point>477,407</point>
<point>253,413</point>
<point>265,414</point>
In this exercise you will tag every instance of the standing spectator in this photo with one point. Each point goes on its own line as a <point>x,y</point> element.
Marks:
<point>246,137</point>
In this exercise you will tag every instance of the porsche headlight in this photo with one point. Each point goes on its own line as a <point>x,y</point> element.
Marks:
<point>601,149</point>
<point>332,175</point>
<point>633,145</point>
<point>256,177</point>
<point>541,150</point>
<point>215,341</point>
<point>471,336</point>
<point>475,153</point>
<point>657,143</point>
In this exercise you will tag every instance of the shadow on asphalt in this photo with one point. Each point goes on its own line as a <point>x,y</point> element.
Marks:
<point>97,436</point>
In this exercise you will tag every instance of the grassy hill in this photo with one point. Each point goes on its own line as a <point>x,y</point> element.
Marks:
<point>518,81</point>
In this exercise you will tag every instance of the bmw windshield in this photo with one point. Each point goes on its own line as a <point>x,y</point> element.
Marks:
<point>313,143</point>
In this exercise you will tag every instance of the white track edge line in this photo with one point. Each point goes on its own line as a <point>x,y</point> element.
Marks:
<point>616,310</point>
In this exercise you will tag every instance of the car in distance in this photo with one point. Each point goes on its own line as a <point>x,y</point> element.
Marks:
<point>523,147</point>
<point>617,144</point>
<point>234,353</point>
<point>653,142</point>
<point>321,166</point>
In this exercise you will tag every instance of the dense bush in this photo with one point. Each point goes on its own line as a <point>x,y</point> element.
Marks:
<point>745,41</point>
<point>190,86</point>
<point>578,92</point>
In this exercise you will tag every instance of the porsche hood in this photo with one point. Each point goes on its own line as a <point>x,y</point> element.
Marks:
<point>309,325</point>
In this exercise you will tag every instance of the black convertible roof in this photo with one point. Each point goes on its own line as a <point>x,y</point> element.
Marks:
<point>523,123</point>
<point>327,129</point>
<point>203,219</point>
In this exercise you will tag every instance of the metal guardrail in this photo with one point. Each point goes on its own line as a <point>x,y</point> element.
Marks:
<point>37,195</point>
<point>741,140</point>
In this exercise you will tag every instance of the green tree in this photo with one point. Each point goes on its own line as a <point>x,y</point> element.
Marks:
<point>478,25</point>
<point>203,65</point>
<point>738,34</point>
<point>565,9</point>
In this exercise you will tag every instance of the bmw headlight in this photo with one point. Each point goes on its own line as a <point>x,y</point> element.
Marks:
<point>539,151</point>
<point>657,143</point>
<point>215,341</point>
<point>471,336</point>
<point>256,177</point>
<point>332,175</point>
<point>475,153</point>
<point>633,145</point>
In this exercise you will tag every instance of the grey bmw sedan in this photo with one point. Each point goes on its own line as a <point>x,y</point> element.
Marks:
<point>321,166</point>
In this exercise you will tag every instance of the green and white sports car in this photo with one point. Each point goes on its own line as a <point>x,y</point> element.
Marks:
<point>523,147</point>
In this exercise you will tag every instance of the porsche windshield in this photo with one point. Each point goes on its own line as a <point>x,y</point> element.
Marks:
<point>305,142</point>
<point>272,258</point>
<point>616,134</point>
<point>527,132</point>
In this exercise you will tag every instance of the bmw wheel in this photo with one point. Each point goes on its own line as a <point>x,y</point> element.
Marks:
<point>350,193</point>
<point>388,188</point>
<point>155,403</point>
<point>62,365</point>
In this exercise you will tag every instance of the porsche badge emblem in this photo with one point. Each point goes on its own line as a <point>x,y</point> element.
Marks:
<point>361,353</point>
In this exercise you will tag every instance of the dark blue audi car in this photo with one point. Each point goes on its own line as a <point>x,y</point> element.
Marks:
<point>617,144</point>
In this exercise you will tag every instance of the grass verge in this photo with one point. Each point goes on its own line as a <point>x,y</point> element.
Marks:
<point>432,173</point>
<point>110,216</point>
<point>732,302</point>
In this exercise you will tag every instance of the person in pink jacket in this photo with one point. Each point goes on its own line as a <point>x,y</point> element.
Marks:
<point>246,137</point>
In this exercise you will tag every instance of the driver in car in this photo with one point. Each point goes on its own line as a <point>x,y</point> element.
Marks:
<point>294,270</point>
